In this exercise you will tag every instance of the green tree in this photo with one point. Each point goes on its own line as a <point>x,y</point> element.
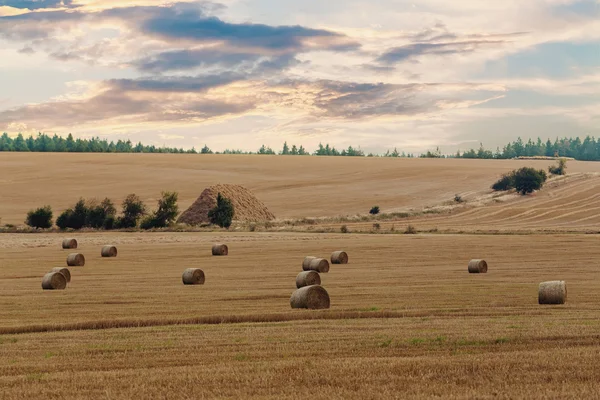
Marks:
<point>40,218</point>
<point>529,179</point>
<point>165,214</point>
<point>133,209</point>
<point>223,213</point>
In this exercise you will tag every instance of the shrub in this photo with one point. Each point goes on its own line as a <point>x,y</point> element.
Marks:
<point>458,198</point>
<point>148,222</point>
<point>74,218</point>
<point>40,218</point>
<point>110,222</point>
<point>165,214</point>
<point>376,226</point>
<point>529,179</point>
<point>79,216</point>
<point>97,214</point>
<point>410,230</point>
<point>223,213</point>
<point>63,219</point>
<point>133,210</point>
<point>506,182</point>
<point>344,229</point>
<point>374,210</point>
<point>560,168</point>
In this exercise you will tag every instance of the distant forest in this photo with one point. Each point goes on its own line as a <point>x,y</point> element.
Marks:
<point>586,150</point>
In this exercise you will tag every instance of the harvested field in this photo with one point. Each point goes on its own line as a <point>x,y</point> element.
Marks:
<point>391,325</point>
<point>407,320</point>
<point>393,184</point>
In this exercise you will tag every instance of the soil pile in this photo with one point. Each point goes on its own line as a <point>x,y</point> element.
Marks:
<point>246,206</point>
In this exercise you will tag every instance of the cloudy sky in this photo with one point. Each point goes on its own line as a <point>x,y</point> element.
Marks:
<point>239,73</point>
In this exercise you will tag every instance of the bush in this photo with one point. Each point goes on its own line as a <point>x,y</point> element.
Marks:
<point>165,214</point>
<point>133,210</point>
<point>74,218</point>
<point>344,229</point>
<point>458,198</point>
<point>223,213</point>
<point>376,226</point>
<point>374,210</point>
<point>528,180</point>
<point>40,218</point>
<point>98,214</point>
<point>148,222</point>
<point>63,219</point>
<point>560,168</point>
<point>506,182</point>
<point>110,222</point>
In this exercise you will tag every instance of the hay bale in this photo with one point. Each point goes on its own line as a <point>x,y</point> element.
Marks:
<point>308,278</point>
<point>312,297</point>
<point>54,281</point>
<point>317,264</point>
<point>478,267</point>
<point>306,262</point>
<point>193,276</point>
<point>220,250</point>
<point>553,292</point>
<point>69,244</point>
<point>339,257</point>
<point>109,251</point>
<point>64,271</point>
<point>75,260</point>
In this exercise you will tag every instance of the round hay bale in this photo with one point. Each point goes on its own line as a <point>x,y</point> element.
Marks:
<point>54,281</point>
<point>64,271</point>
<point>339,257</point>
<point>553,292</point>
<point>108,251</point>
<point>306,262</point>
<point>308,278</point>
<point>318,264</point>
<point>193,276</point>
<point>69,244</point>
<point>75,260</point>
<point>478,267</point>
<point>220,250</point>
<point>312,297</point>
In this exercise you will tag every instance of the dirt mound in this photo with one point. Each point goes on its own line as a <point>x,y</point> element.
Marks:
<point>246,206</point>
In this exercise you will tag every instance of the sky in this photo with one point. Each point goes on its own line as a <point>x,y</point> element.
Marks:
<point>237,74</point>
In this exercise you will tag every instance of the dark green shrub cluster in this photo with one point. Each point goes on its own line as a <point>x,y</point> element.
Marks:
<point>40,218</point>
<point>524,180</point>
<point>528,180</point>
<point>223,213</point>
<point>506,182</point>
<point>88,214</point>
<point>374,210</point>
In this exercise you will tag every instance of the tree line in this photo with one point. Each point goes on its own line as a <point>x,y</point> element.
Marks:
<point>587,149</point>
<point>103,215</point>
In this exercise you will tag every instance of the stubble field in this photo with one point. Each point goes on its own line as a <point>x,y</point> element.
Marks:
<point>406,320</point>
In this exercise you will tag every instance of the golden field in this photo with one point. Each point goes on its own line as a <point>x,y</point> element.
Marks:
<point>406,319</point>
<point>291,187</point>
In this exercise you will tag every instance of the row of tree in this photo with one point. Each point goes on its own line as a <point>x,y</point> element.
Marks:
<point>587,149</point>
<point>103,215</point>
